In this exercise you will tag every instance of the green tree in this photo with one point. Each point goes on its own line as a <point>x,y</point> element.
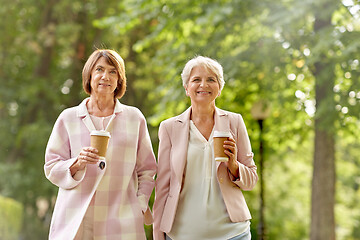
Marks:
<point>302,56</point>
<point>327,46</point>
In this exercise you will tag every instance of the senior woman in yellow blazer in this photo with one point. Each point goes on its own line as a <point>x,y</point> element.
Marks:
<point>197,197</point>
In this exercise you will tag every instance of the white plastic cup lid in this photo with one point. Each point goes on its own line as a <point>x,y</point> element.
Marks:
<point>221,134</point>
<point>222,159</point>
<point>100,133</point>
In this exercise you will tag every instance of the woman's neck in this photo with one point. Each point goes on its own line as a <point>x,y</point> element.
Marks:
<point>100,106</point>
<point>201,112</point>
<point>203,118</point>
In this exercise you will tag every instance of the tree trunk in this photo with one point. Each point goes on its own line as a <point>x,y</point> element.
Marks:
<point>323,186</point>
<point>262,226</point>
<point>323,182</point>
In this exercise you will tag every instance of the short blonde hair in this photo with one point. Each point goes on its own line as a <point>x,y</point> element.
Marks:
<point>206,62</point>
<point>114,59</point>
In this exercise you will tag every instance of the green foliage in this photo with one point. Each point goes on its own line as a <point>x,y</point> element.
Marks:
<point>267,48</point>
<point>11,214</point>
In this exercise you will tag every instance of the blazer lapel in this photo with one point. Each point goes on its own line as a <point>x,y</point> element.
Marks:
<point>180,134</point>
<point>117,110</point>
<point>221,120</point>
<point>83,113</point>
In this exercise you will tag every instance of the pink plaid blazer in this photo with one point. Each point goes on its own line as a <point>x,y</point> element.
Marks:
<point>174,139</point>
<point>119,193</point>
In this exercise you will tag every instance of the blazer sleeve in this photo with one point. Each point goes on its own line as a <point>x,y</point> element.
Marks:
<point>145,165</point>
<point>162,185</point>
<point>247,168</point>
<point>58,158</point>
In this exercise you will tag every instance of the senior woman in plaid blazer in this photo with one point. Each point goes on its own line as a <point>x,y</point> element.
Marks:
<point>196,197</point>
<point>94,202</point>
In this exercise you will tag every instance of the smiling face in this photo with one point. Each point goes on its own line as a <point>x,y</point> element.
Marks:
<point>104,78</point>
<point>203,87</point>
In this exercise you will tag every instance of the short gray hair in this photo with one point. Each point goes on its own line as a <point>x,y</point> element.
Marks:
<point>206,62</point>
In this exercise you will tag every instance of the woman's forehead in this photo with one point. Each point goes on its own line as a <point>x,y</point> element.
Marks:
<point>105,62</point>
<point>200,69</point>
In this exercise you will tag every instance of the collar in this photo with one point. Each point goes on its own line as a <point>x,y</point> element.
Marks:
<point>185,116</point>
<point>82,109</point>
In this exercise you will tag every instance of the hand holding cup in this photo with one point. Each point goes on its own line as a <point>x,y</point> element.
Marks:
<point>87,155</point>
<point>100,141</point>
<point>230,150</point>
<point>225,151</point>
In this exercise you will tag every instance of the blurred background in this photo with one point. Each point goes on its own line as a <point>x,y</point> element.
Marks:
<point>291,69</point>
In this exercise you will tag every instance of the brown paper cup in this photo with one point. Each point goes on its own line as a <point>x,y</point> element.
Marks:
<point>219,138</point>
<point>100,141</point>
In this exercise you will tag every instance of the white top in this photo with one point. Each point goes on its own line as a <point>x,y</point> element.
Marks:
<point>101,123</point>
<point>201,212</point>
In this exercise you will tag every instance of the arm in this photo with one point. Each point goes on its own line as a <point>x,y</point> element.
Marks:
<point>162,181</point>
<point>243,171</point>
<point>58,158</point>
<point>145,166</point>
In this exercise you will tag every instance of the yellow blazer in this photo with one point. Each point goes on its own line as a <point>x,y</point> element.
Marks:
<point>174,138</point>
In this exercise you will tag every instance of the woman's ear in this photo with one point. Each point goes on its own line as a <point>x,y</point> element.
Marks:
<point>186,91</point>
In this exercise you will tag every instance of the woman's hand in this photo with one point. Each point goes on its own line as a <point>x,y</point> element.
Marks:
<point>231,151</point>
<point>87,155</point>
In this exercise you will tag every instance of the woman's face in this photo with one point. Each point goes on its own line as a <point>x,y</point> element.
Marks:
<point>203,86</point>
<point>104,78</point>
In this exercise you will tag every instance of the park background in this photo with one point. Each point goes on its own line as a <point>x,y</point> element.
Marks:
<point>300,58</point>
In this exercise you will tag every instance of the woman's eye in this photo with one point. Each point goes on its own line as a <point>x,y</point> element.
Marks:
<point>196,80</point>
<point>113,72</point>
<point>211,80</point>
<point>99,69</point>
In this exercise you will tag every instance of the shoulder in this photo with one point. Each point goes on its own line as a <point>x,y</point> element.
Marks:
<point>68,114</point>
<point>169,121</point>
<point>235,120</point>
<point>231,115</point>
<point>131,109</point>
<point>176,120</point>
<point>131,113</point>
<point>66,118</point>
<point>169,124</point>
<point>72,114</point>
<point>184,117</point>
<point>75,111</point>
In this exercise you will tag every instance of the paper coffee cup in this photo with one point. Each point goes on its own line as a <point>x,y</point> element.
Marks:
<point>218,139</point>
<point>100,141</point>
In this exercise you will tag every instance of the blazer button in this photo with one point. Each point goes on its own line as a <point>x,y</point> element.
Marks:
<point>102,165</point>
<point>221,180</point>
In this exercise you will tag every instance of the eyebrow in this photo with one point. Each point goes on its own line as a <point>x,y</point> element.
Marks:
<point>211,77</point>
<point>100,66</point>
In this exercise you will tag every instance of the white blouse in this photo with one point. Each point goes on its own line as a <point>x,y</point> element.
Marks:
<point>201,212</point>
<point>101,123</point>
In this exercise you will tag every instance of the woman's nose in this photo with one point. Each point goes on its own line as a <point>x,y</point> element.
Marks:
<point>105,75</point>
